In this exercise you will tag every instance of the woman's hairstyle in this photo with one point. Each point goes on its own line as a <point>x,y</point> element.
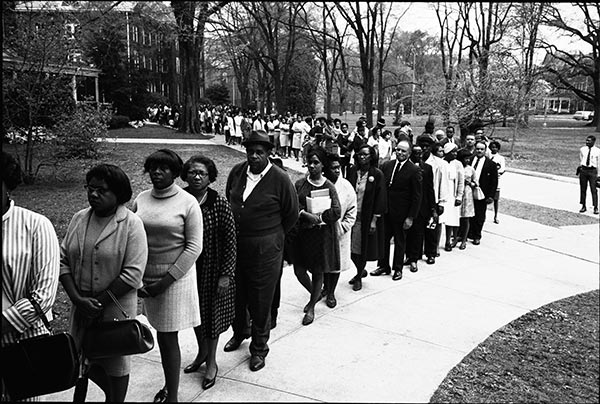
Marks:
<point>320,153</point>
<point>11,171</point>
<point>462,155</point>
<point>327,172</point>
<point>164,157</point>
<point>199,158</point>
<point>115,178</point>
<point>496,143</point>
<point>373,160</point>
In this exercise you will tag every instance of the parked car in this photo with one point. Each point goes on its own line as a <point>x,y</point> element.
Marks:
<point>584,115</point>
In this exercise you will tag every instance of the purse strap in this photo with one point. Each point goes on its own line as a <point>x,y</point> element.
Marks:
<point>114,299</point>
<point>38,310</point>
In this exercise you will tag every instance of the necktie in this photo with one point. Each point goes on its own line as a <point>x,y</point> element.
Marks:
<point>587,161</point>
<point>396,168</point>
<point>476,162</point>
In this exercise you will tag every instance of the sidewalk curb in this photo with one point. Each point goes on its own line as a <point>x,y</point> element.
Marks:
<point>543,175</point>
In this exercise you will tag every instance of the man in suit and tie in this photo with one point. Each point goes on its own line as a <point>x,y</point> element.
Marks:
<point>486,173</point>
<point>403,178</point>
<point>449,136</point>
<point>428,210</point>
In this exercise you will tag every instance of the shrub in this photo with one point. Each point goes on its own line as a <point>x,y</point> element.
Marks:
<point>77,134</point>
<point>118,121</point>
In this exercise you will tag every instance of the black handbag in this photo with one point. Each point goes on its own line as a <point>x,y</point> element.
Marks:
<point>106,339</point>
<point>40,365</point>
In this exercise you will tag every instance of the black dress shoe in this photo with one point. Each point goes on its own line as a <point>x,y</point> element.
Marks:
<point>476,241</point>
<point>208,383</point>
<point>381,271</point>
<point>331,302</point>
<point>257,362</point>
<point>363,274</point>
<point>194,366</point>
<point>397,275</point>
<point>413,267</point>
<point>430,260</point>
<point>233,344</point>
<point>357,285</point>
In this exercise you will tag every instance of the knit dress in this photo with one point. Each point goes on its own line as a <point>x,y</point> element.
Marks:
<point>173,223</point>
<point>217,259</point>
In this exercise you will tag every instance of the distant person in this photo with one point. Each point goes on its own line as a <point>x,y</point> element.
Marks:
<point>487,178</point>
<point>455,185</point>
<point>467,208</point>
<point>589,158</point>
<point>470,143</point>
<point>449,136</point>
<point>501,164</point>
<point>30,265</point>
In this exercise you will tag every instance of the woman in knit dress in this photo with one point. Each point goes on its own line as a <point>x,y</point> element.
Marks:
<point>456,185</point>
<point>173,223</point>
<point>215,267</point>
<point>467,208</point>
<point>316,248</point>
<point>104,251</point>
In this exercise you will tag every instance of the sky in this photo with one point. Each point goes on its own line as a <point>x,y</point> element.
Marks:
<point>421,16</point>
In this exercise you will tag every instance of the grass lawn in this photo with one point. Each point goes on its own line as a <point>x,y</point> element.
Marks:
<point>549,355</point>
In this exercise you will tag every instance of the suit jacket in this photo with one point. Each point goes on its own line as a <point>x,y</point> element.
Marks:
<point>488,179</point>
<point>374,202</point>
<point>404,193</point>
<point>428,202</point>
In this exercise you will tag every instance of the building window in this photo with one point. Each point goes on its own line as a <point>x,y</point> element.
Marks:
<point>134,34</point>
<point>70,29</point>
<point>144,61</point>
<point>177,65</point>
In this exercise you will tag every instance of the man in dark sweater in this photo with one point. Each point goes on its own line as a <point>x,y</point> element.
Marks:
<point>265,206</point>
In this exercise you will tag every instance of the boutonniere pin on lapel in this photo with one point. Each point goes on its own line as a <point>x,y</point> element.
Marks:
<point>371,178</point>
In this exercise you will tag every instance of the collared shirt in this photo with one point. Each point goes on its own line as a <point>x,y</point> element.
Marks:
<point>30,264</point>
<point>397,167</point>
<point>252,180</point>
<point>477,166</point>
<point>594,152</point>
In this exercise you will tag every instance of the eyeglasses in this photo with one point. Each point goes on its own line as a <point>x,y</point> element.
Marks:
<point>100,191</point>
<point>201,174</point>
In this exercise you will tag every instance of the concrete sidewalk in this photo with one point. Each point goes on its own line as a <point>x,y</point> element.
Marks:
<point>393,341</point>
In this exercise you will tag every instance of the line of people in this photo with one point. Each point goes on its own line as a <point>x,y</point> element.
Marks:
<point>202,260</point>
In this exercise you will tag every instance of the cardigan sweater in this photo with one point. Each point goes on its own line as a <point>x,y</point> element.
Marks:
<point>173,223</point>
<point>272,206</point>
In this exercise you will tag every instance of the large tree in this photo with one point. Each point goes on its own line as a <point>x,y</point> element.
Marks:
<point>568,67</point>
<point>191,18</point>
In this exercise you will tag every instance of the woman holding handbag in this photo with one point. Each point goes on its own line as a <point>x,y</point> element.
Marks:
<point>104,252</point>
<point>30,265</point>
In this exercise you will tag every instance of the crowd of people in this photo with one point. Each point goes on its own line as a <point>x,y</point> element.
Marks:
<point>207,261</point>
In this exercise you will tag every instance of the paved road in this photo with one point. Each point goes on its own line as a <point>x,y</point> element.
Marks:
<point>396,341</point>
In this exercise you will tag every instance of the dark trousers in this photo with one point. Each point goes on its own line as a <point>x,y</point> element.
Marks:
<point>414,239</point>
<point>393,228</point>
<point>478,220</point>
<point>588,176</point>
<point>277,295</point>
<point>257,272</point>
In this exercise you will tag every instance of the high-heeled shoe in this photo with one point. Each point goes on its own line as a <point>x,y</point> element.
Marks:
<point>194,366</point>
<point>208,383</point>
<point>309,317</point>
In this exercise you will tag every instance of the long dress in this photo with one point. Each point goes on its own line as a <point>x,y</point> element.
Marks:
<point>316,248</point>
<point>467,209</point>
<point>347,198</point>
<point>456,184</point>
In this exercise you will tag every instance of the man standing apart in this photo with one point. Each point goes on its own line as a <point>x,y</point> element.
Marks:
<point>589,157</point>
<point>486,173</point>
<point>265,206</point>
<point>404,199</point>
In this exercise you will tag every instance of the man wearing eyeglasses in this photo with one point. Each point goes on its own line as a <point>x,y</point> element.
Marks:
<point>404,200</point>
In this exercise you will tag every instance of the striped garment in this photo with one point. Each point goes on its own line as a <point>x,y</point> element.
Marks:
<point>30,263</point>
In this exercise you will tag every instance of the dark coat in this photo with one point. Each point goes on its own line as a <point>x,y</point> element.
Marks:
<point>404,193</point>
<point>488,180</point>
<point>428,202</point>
<point>374,202</point>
